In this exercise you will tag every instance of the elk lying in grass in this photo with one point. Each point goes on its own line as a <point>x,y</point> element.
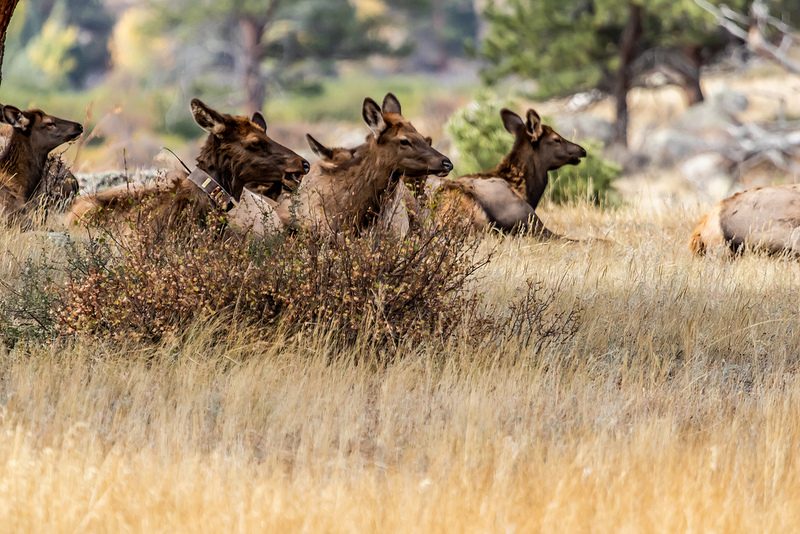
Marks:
<point>398,208</point>
<point>343,189</point>
<point>31,136</point>
<point>507,196</point>
<point>765,219</point>
<point>260,216</point>
<point>237,154</point>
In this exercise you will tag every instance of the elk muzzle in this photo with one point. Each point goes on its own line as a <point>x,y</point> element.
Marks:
<point>294,172</point>
<point>578,153</point>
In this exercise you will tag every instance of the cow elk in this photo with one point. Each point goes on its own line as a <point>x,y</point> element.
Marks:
<point>343,190</point>
<point>237,154</point>
<point>765,219</point>
<point>31,136</point>
<point>507,196</point>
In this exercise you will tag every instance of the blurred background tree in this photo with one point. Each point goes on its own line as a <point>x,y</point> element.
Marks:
<point>578,45</point>
<point>439,29</point>
<point>270,42</point>
<point>66,40</point>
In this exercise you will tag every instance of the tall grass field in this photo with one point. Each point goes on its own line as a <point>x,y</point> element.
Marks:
<point>674,407</point>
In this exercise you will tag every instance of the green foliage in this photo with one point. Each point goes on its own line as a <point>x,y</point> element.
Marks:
<point>479,135</point>
<point>64,40</point>
<point>591,181</point>
<point>482,141</point>
<point>50,53</point>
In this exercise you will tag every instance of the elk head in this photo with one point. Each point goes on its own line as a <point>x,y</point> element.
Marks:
<point>537,150</point>
<point>331,157</point>
<point>45,132</point>
<point>400,143</point>
<point>239,153</point>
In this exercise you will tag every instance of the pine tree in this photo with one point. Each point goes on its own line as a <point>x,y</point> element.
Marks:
<point>576,45</point>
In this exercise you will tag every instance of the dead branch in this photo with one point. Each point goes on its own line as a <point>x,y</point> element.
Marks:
<point>753,31</point>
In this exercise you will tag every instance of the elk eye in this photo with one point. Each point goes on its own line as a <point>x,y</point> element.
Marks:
<point>405,142</point>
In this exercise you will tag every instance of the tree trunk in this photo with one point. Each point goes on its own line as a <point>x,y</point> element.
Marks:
<point>439,27</point>
<point>253,54</point>
<point>6,10</point>
<point>627,53</point>
<point>691,79</point>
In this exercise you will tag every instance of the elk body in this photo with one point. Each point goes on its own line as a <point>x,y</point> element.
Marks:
<point>765,219</point>
<point>237,154</point>
<point>399,207</point>
<point>507,196</point>
<point>349,184</point>
<point>31,136</point>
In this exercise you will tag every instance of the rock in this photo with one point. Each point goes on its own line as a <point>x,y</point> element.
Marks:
<point>92,183</point>
<point>703,128</point>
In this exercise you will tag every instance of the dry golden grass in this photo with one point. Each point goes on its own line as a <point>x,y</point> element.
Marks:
<point>676,408</point>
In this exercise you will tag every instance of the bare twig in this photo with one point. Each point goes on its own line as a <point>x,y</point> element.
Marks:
<point>752,31</point>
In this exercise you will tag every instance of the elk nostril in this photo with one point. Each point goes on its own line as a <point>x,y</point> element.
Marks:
<point>583,153</point>
<point>306,167</point>
<point>447,165</point>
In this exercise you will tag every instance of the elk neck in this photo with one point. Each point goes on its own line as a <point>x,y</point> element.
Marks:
<point>220,165</point>
<point>21,165</point>
<point>370,172</point>
<point>523,170</point>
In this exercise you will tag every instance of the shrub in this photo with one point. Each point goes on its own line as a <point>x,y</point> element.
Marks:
<point>535,320</point>
<point>482,142</point>
<point>153,283</point>
<point>28,302</point>
<point>478,134</point>
<point>592,181</point>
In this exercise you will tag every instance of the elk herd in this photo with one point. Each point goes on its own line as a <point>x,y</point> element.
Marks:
<point>395,178</point>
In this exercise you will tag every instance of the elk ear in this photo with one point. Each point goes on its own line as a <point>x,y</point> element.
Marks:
<point>16,118</point>
<point>318,148</point>
<point>513,122</point>
<point>373,116</point>
<point>534,125</point>
<point>391,104</point>
<point>260,121</point>
<point>208,119</point>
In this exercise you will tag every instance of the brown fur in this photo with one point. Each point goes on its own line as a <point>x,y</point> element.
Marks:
<point>237,153</point>
<point>343,193</point>
<point>766,219</point>
<point>507,196</point>
<point>31,135</point>
<point>456,201</point>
